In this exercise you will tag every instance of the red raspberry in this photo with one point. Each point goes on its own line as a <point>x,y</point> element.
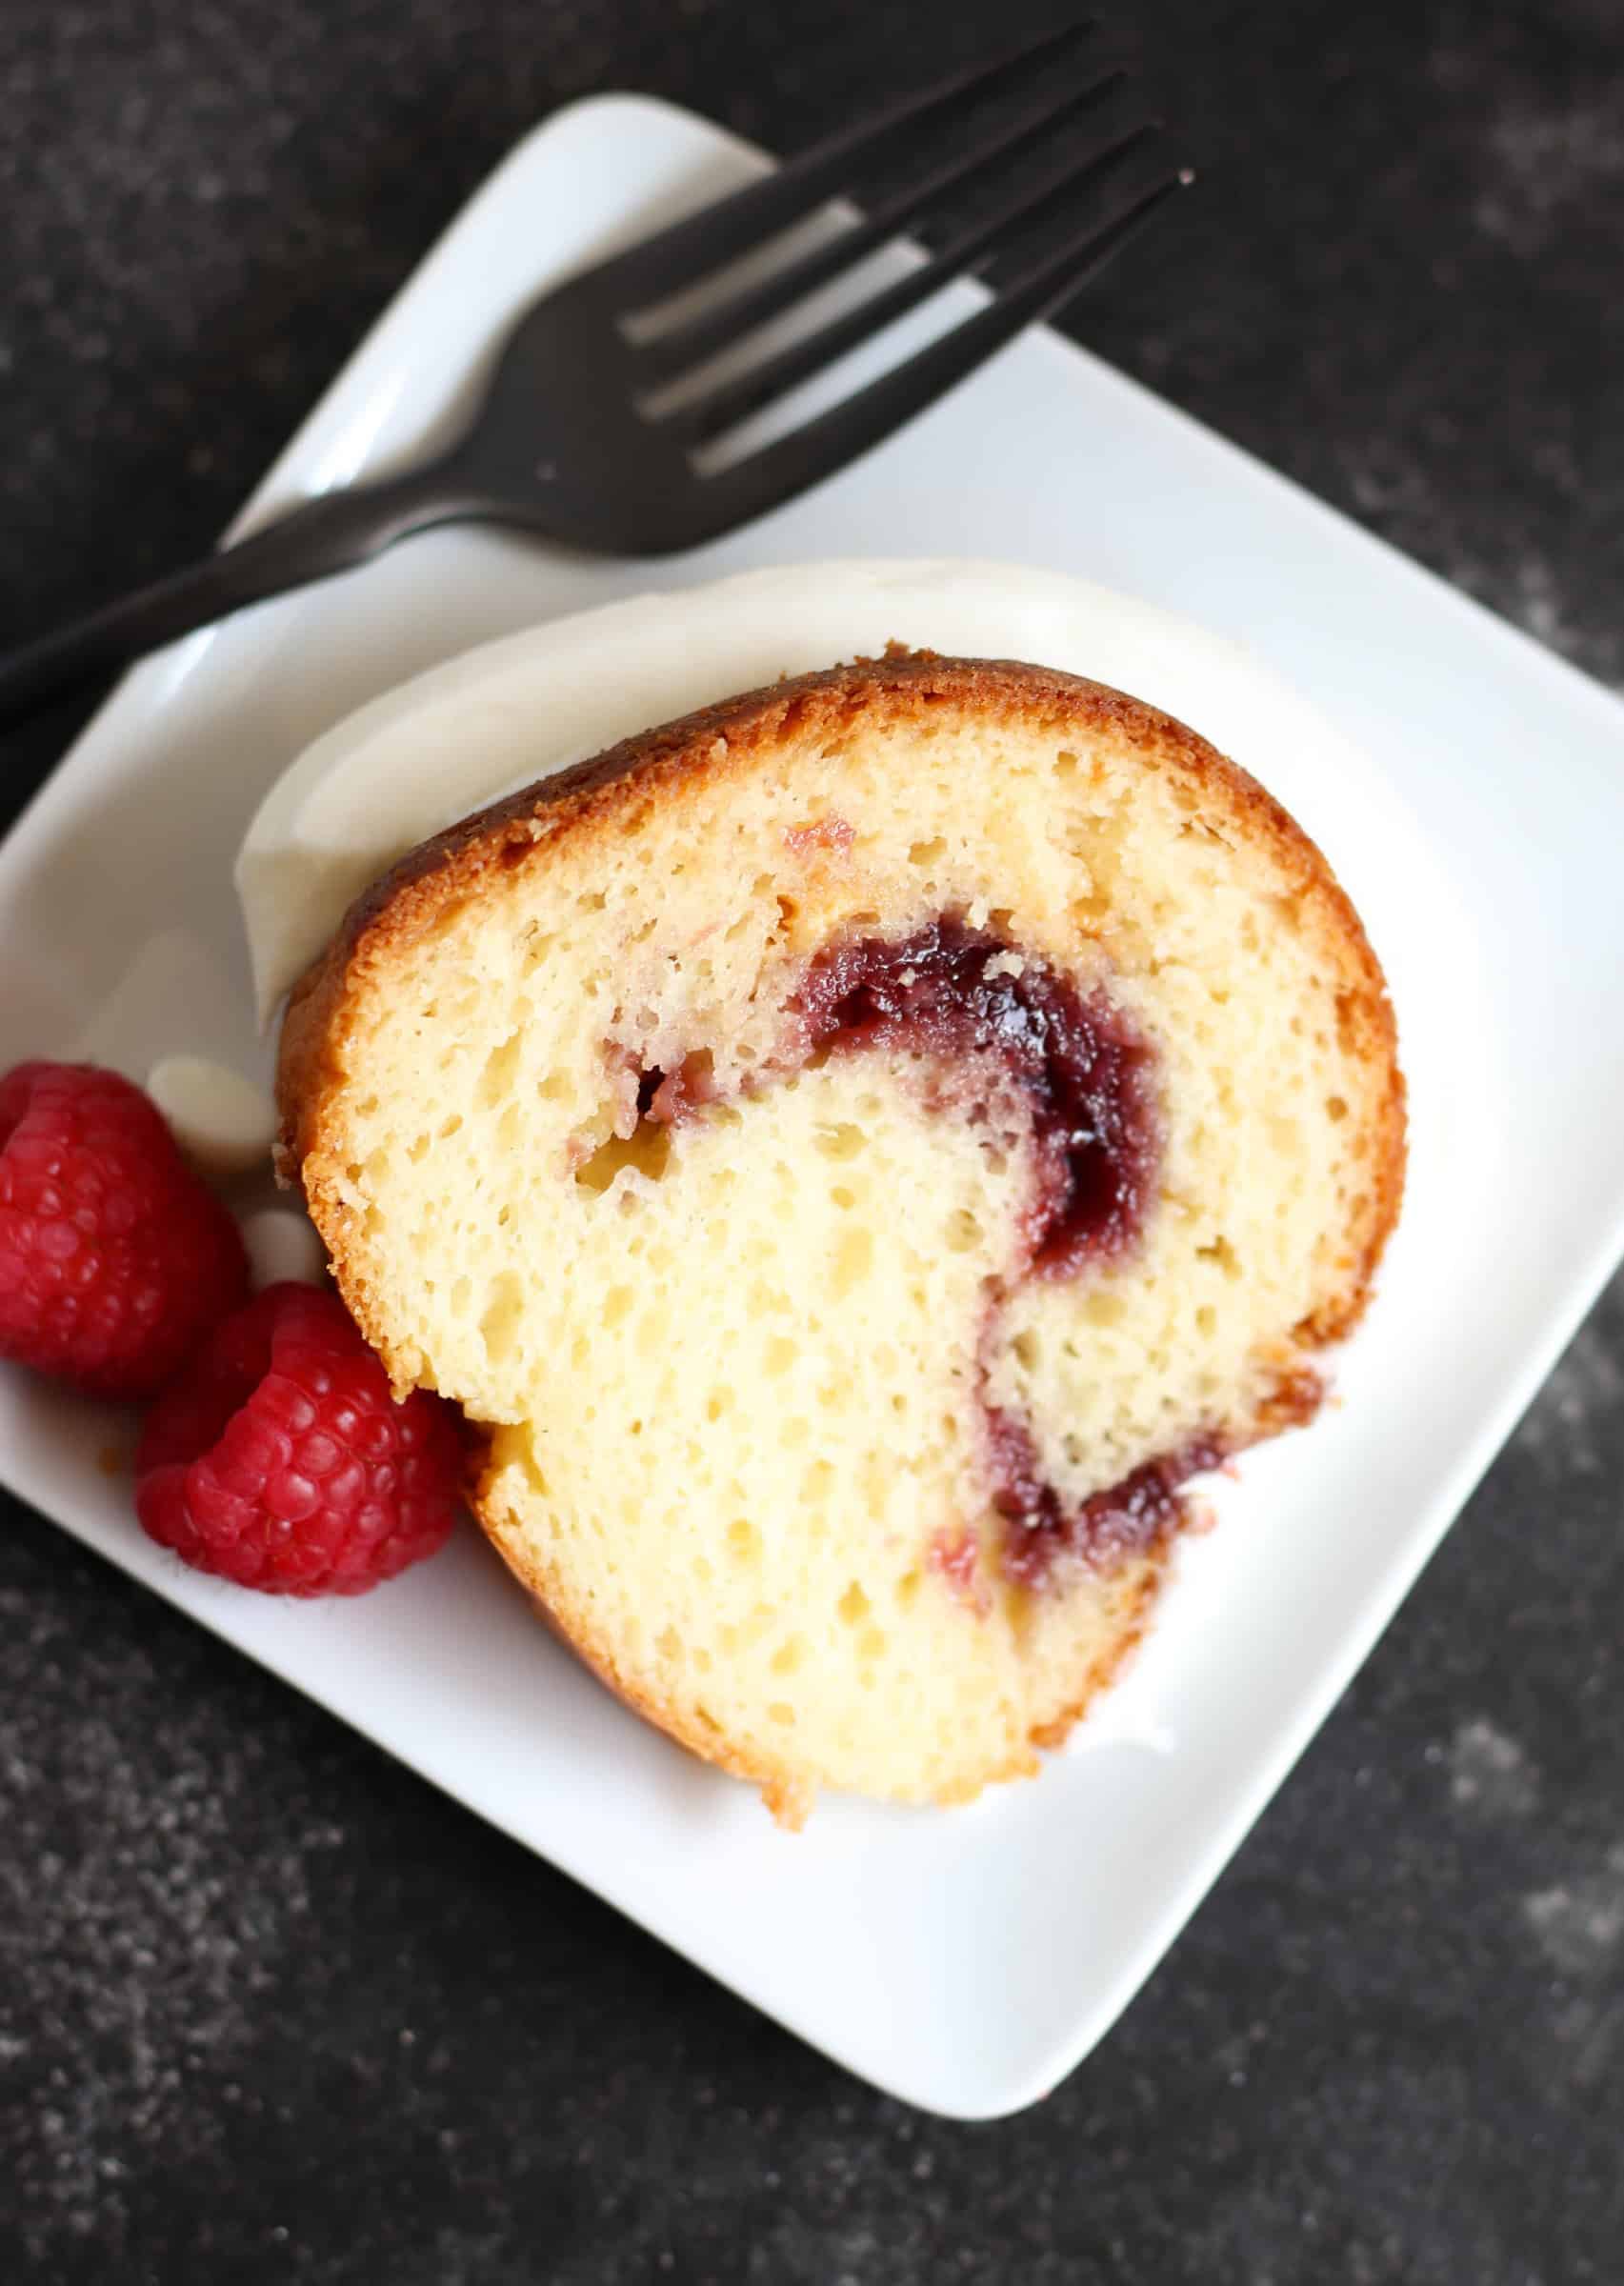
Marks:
<point>279,1458</point>
<point>114,1257</point>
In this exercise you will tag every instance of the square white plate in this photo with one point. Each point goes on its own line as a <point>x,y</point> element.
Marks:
<point>965,1961</point>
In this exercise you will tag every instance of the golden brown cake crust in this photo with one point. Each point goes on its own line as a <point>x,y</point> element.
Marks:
<point>598,801</point>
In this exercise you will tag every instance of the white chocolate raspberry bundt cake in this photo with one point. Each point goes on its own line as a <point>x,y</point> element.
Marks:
<point>859,1150</point>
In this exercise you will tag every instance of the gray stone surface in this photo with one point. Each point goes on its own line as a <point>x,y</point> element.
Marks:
<point>273,2010</point>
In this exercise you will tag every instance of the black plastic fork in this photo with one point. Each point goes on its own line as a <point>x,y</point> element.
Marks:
<point>598,426</point>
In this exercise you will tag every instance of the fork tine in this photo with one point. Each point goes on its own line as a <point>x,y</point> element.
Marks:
<point>733,400</point>
<point>833,438</point>
<point>690,346</point>
<point>680,256</point>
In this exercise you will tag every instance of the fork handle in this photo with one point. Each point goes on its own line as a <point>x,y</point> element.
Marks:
<point>329,534</point>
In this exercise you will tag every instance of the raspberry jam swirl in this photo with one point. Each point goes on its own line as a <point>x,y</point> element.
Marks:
<point>994,1023</point>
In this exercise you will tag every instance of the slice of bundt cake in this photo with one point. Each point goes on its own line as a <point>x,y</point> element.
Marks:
<point>859,1150</point>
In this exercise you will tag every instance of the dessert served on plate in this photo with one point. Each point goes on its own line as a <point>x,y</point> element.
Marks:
<point>853,1152</point>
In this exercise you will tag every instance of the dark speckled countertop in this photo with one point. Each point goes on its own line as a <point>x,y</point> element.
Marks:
<point>270,2009</point>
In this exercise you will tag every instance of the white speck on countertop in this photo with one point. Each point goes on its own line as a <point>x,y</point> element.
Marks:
<point>1490,1771</point>
<point>1579,1923</point>
<point>1543,165</point>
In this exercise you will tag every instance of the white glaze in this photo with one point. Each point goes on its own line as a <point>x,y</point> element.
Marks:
<point>225,1124</point>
